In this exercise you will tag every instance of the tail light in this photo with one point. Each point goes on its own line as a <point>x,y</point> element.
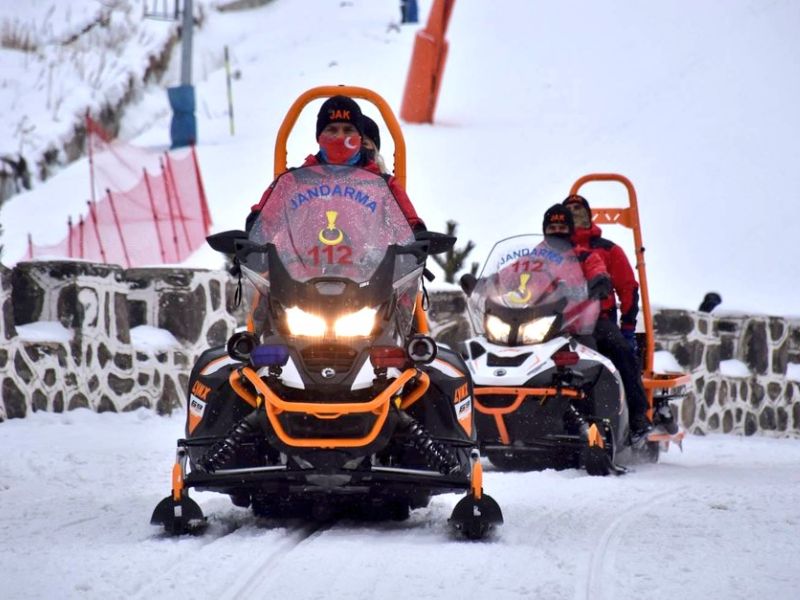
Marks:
<point>386,357</point>
<point>565,359</point>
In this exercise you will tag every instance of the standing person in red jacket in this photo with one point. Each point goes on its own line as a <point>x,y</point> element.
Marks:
<point>617,342</point>
<point>340,131</point>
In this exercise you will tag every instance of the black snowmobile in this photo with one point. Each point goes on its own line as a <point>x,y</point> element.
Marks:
<point>330,404</point>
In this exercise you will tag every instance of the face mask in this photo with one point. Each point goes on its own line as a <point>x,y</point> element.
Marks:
<point>340,149</point>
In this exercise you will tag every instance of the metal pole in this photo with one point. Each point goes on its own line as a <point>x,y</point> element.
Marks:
<point>230,92</point>
<point>186,43</point>
<point>155,216</point>
<point>119,228</point>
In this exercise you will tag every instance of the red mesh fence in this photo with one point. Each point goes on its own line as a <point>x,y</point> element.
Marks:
<point>146,208</point>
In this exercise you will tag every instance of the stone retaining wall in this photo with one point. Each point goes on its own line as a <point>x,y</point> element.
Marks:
<point>100,369</point>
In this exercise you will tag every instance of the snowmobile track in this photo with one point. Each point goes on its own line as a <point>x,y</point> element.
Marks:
<point>255,581</point>
<point>609,539</point>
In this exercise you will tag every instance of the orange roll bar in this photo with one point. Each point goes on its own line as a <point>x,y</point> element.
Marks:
<point>326,91</point>
<point>379,406</point>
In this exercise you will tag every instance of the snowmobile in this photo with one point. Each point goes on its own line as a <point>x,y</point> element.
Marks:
<point>544,397</point>
<point>334,401</point>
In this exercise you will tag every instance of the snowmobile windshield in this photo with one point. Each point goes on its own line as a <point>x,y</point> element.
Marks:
<point>531,285</point>
<point>330,221</point>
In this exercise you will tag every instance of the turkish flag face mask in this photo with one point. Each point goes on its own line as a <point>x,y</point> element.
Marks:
<point>340,149</point>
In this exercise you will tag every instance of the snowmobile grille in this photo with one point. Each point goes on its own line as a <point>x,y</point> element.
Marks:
<point>334,356</point>
<point>492,360</point>
<point>344,427</point>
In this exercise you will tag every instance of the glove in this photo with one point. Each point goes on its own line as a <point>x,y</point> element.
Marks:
<point>630,337</point>
<point>599,287</point>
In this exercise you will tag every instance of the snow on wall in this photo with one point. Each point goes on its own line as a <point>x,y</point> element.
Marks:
<point>100,368</point>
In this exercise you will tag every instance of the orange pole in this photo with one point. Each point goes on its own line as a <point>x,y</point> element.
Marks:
<point>280,160</point>
<point>427,66</point>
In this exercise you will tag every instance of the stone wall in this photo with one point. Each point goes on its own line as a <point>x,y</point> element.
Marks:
<point>100,369</point>
<point>762,401</point>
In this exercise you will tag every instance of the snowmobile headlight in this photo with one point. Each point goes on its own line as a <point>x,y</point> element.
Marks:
<point>497,330</point>
<point>303,323</point>
<point>533,332</point>
<point>357,324</point>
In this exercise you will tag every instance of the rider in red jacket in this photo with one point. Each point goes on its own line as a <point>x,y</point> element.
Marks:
<point>340,134</point>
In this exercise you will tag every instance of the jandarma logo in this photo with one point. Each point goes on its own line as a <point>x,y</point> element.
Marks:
<point>326,191</point>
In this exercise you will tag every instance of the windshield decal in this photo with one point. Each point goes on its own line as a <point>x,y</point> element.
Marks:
<point>540,251</point>
<point>325,191</point>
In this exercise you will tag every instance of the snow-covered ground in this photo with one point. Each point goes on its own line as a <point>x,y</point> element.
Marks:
<point>695,102</point>
<point>718,521</point>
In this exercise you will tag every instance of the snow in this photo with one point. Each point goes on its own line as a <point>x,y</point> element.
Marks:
<point>734,368</point>
<point>146,338</point>
<point>665,362</point>
<point>793,371</point>
<point>44,331</point>
<point>695,105</point>
<point>716,521</point>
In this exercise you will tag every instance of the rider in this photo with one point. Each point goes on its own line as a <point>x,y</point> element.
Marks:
<point>372,141</point>
<point>340,132</point>
<point>617,342</point>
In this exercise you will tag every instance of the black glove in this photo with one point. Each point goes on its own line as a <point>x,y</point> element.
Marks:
<point>599,287</point>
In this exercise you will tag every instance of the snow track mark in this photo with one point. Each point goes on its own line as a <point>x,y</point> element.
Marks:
<point>609,540</point>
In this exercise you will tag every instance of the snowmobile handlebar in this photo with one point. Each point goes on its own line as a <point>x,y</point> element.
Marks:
<point>326,91</point>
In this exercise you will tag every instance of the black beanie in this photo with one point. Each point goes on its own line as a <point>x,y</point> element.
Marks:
<point>339,109</point>
<point>371,130</point>
<point>558,214</point>
<point>575,198</point>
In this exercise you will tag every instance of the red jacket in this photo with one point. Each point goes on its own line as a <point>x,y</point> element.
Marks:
<point>620,270</point>
<point>397,191</point>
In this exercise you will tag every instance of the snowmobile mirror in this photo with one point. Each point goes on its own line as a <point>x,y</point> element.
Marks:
<point>421,349</point>
<point>241,344</point>
<point>468,283</point>
<point>437,242</point>
<point>225,241</point>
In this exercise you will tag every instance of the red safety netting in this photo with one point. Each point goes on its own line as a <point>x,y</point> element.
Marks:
<point>145,209</point>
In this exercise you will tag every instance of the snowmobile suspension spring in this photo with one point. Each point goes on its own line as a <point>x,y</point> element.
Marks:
<point>437,455</point>
<point>575,418</point>
<point>222,451</point>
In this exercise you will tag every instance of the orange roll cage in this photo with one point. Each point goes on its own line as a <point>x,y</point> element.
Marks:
<point>629,218</point>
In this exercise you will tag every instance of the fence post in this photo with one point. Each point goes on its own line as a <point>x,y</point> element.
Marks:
<point>80,237</point>
<point>171,214</point>
<point>119,228</point>
<point>93,215</point>
<point>202,190</point>
<point>182,217</point>
<point>69,236</point>
<point>30,246</point>
<point>155,216</point>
